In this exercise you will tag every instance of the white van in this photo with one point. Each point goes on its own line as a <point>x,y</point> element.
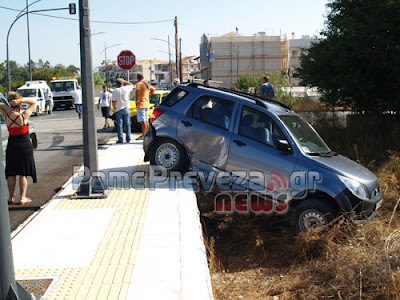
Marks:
<point>35,90</point>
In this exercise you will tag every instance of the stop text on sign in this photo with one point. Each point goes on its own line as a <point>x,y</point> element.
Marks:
<point>126,60</point>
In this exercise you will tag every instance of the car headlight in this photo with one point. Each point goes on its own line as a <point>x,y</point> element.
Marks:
<point>358,189</point>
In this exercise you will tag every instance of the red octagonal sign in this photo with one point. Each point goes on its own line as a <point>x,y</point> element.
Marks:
<point>126,60</point>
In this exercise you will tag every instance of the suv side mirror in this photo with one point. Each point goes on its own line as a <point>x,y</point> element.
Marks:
<point>283,145</point>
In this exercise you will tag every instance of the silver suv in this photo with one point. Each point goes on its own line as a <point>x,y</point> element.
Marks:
<point>259,153</point>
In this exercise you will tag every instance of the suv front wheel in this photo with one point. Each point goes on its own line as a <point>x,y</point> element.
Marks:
<point>311,214</point>
<point>169,154</point>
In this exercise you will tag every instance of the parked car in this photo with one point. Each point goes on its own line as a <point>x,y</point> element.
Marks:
<point>209,129</point>
<point>155,100</point>
<point>4,131</point>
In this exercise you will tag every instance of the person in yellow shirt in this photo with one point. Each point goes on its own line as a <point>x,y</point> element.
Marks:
<point>143,92</point>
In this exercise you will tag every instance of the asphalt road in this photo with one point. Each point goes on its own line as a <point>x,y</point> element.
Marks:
<point>59,149</point>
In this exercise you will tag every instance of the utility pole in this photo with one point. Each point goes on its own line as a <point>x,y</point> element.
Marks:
<point>91,186</point>
<point>29,41</point>
<point>169,64</point>
<point>176,47</point>
<point>180,61</point>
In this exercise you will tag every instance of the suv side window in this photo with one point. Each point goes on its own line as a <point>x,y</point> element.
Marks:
<point>174,97</point>
<point>212,110</point>
<point>258,126</point>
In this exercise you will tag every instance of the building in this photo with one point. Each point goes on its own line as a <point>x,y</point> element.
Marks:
<point>190,66</point>
<point>152,70</point>
<point>226,57</point>
<point>296,48</point>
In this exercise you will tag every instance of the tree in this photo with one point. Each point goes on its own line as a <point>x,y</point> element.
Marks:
<point>40,71</point>
<point>356,62</point>
<point>250,83</point>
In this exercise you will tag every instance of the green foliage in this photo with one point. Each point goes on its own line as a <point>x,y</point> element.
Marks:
<point>40,71</point>
<point>250,83</point>
<point>356,63</point>
<point>98,80</point>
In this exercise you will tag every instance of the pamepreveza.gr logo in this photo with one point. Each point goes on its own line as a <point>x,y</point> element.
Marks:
<point>240,191</point>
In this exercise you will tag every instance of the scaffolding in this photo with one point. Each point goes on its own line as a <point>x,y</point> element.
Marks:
<point>258,54</point>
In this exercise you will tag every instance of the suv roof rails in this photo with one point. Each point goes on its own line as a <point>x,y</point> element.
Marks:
<point>259,100</point>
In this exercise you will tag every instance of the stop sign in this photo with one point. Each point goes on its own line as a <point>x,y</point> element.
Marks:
<point>126,60</point>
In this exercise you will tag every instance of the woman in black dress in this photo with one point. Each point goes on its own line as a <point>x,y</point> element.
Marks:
<point>19,153</point>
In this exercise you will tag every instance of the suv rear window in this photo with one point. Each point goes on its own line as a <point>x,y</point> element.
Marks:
<point>212,110</point>
<point>174,97</point>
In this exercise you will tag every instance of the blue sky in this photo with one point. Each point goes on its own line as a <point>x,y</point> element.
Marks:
<point>56,40</point>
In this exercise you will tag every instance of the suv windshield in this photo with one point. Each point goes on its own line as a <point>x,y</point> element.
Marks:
<point>305,135</point>
<point>62,86</point>
<point>27,92</point>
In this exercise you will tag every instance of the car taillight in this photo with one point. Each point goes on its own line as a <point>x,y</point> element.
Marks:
<point>156,113</point>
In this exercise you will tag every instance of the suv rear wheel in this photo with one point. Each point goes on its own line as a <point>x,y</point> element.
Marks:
<point>169,154</point>
<point>311,214</point>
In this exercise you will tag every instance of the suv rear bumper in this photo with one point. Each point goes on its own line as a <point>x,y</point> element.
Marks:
<point>149,139</point>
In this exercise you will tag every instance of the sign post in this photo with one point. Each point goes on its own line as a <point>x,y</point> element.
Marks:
<point>126,60</point>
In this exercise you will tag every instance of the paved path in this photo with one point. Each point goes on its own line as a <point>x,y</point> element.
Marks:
<point>135,244</point>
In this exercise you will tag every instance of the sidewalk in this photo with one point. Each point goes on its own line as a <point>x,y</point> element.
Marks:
<point>135,244</point>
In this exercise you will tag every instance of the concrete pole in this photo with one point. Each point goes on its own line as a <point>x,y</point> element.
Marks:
<point>176,47</point>
<point>169,64</point>
<point>88,115</point>
<point>9,288</point>
<point>7,277</point>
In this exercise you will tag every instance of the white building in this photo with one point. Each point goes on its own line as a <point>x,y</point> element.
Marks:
<point>296,48</point>
<point>226,57</point>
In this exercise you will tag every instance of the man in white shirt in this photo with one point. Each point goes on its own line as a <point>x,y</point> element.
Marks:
<point>77,101</point>
<point>120,101</point>
<point>104,102</point>
<point>49,101</point>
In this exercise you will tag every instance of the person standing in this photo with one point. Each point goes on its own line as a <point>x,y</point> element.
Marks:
<point>176,82</point>
<point>77,101</point>
<point>266,89</point>
<point>120,102</point>
<point>19,154</point>
<point>143,93</point>
<point>49,101</point>
<point>104,102</point>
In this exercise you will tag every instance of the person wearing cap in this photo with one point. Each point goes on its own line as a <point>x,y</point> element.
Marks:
<point>176,82</point>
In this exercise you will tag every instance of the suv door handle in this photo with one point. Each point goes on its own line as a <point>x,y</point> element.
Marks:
<point>186,123</point>
<point>240,143</point>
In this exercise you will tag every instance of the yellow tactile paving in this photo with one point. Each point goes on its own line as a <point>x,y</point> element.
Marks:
<point>109,273</point>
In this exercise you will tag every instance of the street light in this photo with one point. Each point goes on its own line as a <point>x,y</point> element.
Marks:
<point>105,56</point>
<point>29,43</point>
<point>105,50</point>
<point>20,15</point>
<point>169,58</point>
<point>101,32</point>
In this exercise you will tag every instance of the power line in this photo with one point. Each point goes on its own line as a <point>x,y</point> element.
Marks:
<point>93,21</point>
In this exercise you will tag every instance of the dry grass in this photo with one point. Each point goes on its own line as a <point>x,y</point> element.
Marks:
<point>259,258</point>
